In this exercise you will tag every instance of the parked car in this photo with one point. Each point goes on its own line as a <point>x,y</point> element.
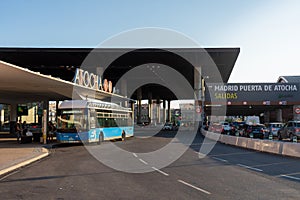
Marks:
<point>35,128</point>
<point>226,129</point>
<point>167,127</point>
<point>274,127</point>
<point>289,130</point>
<point>216,128</point>
<point>255,131</point>
<point>236,127</point>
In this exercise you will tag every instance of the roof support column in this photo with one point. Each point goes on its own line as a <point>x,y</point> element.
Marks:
<point>139,106</point>
<point>132,109</point>
<point>279,115</point>
<point>13,117</point>
<point>158,110</point>
<point>169,111</point>
<point>199,91</point>
<point>45,120</point>
<point>150,107</point>
<point>267,116</point>
<point>164,111</point>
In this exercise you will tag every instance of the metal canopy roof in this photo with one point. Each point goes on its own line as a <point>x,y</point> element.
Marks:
<point>19,85</point>
<point>61,62</point>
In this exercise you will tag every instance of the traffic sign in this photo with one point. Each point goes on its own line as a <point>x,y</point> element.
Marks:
<point>297,110</point>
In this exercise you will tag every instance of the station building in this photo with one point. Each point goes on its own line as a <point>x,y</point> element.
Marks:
<point>35,76</point>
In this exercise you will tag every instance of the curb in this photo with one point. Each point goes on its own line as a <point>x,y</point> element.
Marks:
<point>268,146</point>
<point>26,162</point>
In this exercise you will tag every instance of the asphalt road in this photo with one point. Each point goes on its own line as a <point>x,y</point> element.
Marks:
<point>71,172</point>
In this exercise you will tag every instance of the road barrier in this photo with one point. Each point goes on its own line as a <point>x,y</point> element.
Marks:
<point>242,142</point>
<point>291,149</point>
<point>269,146</point>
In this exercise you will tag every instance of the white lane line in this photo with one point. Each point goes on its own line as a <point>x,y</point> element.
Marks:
<point>143,161</point>
<point>9,175</point>
<point>197,188</point>
<point>164,173</point>
<point>291,177</point>
<point>134,154</point>
<point>248,167</point>
<point>219,159</point>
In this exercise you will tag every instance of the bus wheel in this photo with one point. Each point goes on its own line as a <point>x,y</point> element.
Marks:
<point>123,135</point>
<point>101,138</point>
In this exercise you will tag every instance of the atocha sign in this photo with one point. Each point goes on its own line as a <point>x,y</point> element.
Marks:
<point>91,80</point>
<point>262,93</point>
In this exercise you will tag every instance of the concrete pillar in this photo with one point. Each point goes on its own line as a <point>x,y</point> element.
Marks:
<point>132,109</point>
<point>199,89</point>
<point>279,115</point>
<point>267,116</point>
<point>150,111</point>
<point>197,83</point>
<point>139,107</point>
<point>169,111</point>
<point>45,120</point>
<point>13,117</point>
<point>150,107</point>
<point>56,109</point>
<point>1,116</point>
<point>164,111</point>
<point>158,110</point>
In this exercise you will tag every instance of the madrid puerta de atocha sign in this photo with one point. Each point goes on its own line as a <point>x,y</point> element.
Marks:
<point>93,81</point>
<point>255,94</point>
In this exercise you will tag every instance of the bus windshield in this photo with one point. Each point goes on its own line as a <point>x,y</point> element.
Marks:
<point>72,120</point>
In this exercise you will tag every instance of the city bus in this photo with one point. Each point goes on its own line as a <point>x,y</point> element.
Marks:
<point>92,121</point>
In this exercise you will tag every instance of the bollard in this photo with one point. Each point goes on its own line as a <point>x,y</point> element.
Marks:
<point>271,137</point>
<point>295,139</point>
<point>237,133</point>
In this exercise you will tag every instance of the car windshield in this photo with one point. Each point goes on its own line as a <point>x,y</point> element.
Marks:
<point>297,124</point>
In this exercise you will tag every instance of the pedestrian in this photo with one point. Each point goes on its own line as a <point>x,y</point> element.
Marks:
<point>24,128</point>
<point>18,129</point>
<point>51,130</point>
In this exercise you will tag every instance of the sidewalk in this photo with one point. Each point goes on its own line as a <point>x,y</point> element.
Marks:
<point>14,155</point>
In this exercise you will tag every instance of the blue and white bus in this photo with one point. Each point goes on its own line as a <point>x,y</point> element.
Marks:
<point>89,121</point>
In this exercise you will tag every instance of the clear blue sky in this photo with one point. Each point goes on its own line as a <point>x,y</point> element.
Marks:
<point>268,32</point>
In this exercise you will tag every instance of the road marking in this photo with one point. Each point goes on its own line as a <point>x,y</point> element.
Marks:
<point>190,185</point>
<point>196,144</point>
<point>164,173</point>
<point>230,154</point>
<point>143,161</point>
<point>9,175</point>
<point>278,163</point>
<point>219,159</point>
<point>248,167</point>
<point>288,174</point>
<point>291,177</point>
<point>134,154</point>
